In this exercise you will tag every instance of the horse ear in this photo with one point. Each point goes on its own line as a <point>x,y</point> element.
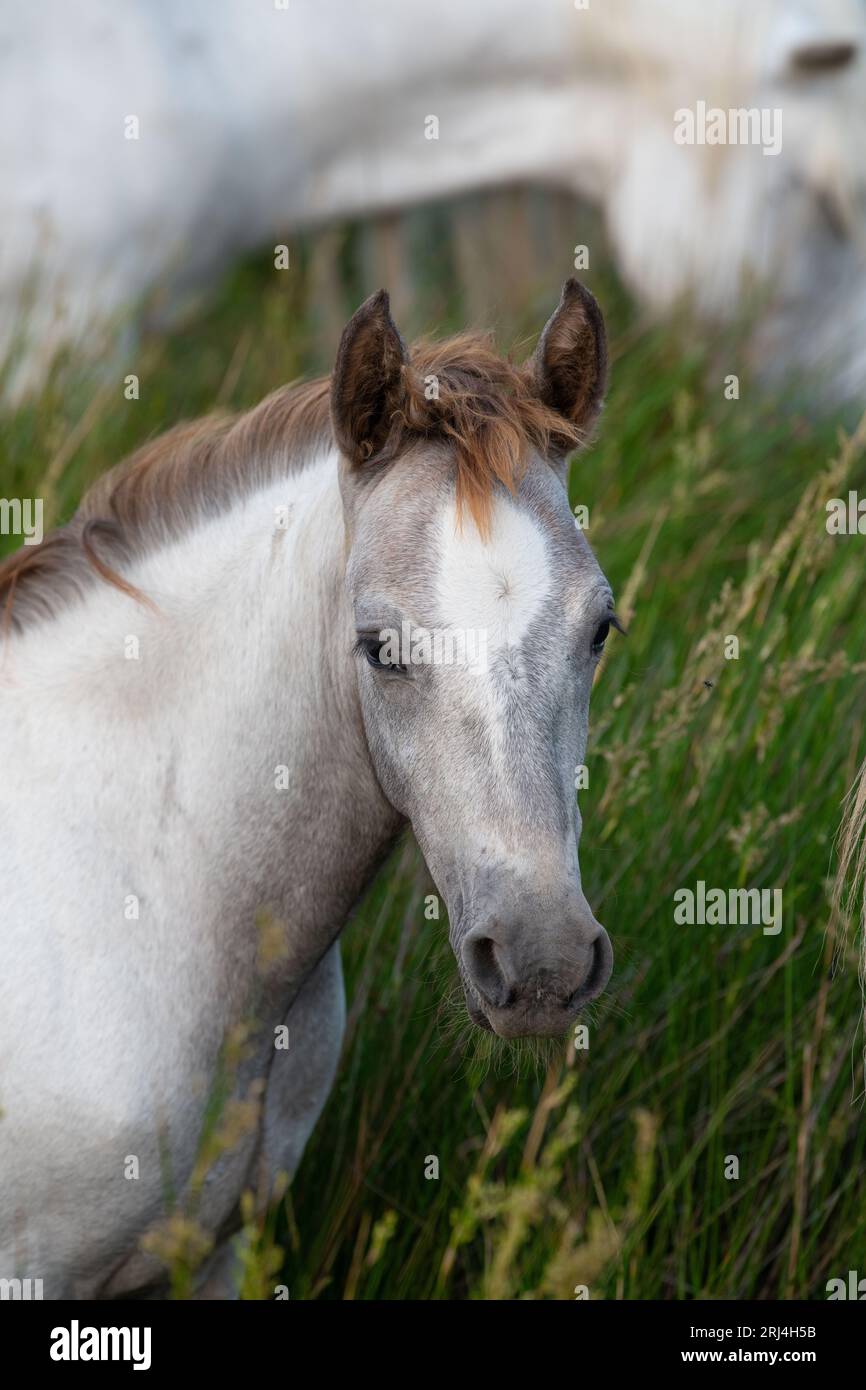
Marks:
<point>570,361</point>
<point>367,382</point>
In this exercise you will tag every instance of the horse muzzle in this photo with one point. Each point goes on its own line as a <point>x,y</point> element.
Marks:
<point>517,988</point>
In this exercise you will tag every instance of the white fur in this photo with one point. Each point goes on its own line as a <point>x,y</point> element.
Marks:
<point>495,585</point>
<point>107,1024</point>
<point>255,120</point>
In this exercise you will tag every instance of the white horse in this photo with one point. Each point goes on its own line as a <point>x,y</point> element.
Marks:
<point>200,724</point>
<point>145,145</point>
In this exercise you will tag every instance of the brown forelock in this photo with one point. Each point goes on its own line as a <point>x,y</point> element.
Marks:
<point>490,412</point>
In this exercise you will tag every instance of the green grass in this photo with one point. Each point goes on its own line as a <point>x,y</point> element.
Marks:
<point>602,1167</point>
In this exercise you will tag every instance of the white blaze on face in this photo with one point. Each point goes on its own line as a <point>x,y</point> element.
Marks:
<point>493,588</point>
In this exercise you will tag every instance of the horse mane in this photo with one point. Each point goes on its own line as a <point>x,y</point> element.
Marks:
<point>486,408</point>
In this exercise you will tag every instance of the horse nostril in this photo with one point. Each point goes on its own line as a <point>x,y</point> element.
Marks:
<point>483,968</point>
<point>599,973</point>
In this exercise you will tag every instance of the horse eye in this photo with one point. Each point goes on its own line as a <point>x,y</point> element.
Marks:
<point>371,652</point>
<point>371,647</point>
<point>600,637</point>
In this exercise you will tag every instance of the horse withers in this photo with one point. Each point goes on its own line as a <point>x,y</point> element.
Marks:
<point>204,725</point>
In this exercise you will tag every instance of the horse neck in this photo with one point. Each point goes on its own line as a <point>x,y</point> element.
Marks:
<point>235,704</point>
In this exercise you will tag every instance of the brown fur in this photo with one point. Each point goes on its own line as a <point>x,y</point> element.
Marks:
<point>489,410</point>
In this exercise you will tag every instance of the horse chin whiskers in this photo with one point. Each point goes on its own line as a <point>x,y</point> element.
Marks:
<point>483,1051</point>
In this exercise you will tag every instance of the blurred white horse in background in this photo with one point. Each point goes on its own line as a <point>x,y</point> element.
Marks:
<point>146,145</point>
